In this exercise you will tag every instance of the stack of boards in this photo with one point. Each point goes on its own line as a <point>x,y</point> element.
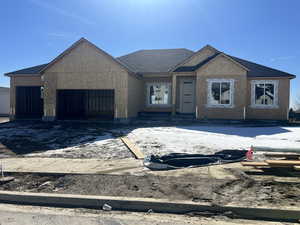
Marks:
<point>279,160</point>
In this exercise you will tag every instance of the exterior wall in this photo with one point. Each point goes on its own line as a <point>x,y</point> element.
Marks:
<point>279,113</point>
<point>135,96</point>
<point>156,108</point>
<point>200,56</point>
<point>221,68</point>
<point>25,80</point>
<point>4,101</point>
<point>86,68</point>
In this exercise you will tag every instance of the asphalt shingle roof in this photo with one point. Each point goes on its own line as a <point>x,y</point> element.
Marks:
<point>257,70</point>
<point>155,61</point>
<point>163,60</point>
<point>29,70</point>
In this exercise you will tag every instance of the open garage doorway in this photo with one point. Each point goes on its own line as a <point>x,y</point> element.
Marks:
<point>85,104</point>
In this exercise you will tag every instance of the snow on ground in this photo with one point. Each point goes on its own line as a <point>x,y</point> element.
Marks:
<point>210,139</point>
<point>104,147</point>
<point>63,140</point>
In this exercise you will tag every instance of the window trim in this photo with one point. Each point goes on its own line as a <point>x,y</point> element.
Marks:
<point>262,106</point>
<point>148,84</point>
<point>209,93</point>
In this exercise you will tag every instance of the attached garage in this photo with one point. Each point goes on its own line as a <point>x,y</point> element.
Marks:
<point>29,102</point>
<point>85,104</point>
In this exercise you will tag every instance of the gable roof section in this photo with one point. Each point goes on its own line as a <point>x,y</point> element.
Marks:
<point>257,70</point>
<point>207,61</point>
<point>161,61</point>
<point>180,64</point>
<point>34,70</point>
<point>196,67</point>
<point>156,60</point>
<point>81,40</point>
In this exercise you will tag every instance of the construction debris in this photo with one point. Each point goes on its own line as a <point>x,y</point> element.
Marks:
<point>106,207</point>
<point>133,148</point>
<point>4,180</point>
<point>182,160</point>
<point>283,160</point>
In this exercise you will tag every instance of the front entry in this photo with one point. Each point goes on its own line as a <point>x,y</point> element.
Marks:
<point>187,95</point>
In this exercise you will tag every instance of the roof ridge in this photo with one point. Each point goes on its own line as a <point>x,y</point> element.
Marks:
<point>157,49</point>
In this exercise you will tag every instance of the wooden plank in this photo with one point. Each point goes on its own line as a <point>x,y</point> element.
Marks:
<point>254,164</point>
<point>288,163</point>
<point>297,168</point>
<point>283,155</point>
<point>133,148</point>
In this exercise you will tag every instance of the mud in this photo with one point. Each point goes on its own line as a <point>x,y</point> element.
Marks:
<point>244,192</point>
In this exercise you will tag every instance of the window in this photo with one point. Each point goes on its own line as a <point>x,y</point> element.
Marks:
<point>220,92</point>
<point>158,94</point>
<point>264,93</point>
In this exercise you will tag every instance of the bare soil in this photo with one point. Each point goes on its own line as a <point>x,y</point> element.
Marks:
<point>61,139</point>
<point>246,192</point>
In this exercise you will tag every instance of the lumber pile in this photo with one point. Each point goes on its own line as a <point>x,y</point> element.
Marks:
<point>281,161</point>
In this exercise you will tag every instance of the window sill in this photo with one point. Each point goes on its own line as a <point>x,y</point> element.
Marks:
<point>159,106</point>
<point>220,106</point>
<point>264,106</point>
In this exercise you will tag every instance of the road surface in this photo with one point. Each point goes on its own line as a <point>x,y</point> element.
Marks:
<point>35,215</point>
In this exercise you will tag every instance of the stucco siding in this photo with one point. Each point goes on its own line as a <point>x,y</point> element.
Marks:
<point>86,68</point>
<point>279,113</point>
<point>221,68</point>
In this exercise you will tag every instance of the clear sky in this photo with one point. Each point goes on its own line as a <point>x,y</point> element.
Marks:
<point>264,31</point>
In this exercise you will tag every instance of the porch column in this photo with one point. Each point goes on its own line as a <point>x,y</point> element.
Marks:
<point>174,94</point>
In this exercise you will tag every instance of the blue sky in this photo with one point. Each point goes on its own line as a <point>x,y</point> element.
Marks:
<point>264,31</point>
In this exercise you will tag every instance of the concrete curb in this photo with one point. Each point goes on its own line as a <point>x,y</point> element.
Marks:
<point>144,204</point>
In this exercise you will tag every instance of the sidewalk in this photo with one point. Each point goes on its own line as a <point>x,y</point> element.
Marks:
<point>71,166</point>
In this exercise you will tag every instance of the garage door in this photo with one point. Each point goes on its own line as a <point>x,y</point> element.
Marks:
<point>85,104</point>
<point>29,102</point>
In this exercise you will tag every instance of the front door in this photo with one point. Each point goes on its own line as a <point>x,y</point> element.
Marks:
<point>187,92</point>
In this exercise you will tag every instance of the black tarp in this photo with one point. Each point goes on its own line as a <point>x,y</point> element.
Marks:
<point>182,160</point>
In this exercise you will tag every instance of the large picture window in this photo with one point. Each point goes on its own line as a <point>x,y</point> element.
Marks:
<point>264,93</point>
<point>220,92</point>
<point>158,94</point>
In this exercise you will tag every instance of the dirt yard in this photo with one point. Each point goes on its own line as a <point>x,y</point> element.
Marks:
<point>100,140</point>
<point>244,191</point>
<point>60,139</point>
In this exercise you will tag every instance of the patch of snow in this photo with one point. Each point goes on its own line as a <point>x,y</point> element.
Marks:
<point>210,139</point>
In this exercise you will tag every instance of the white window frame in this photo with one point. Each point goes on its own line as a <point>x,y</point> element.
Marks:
<point>148,84</point>
<point>210,103</point>
<point>263,106</point>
